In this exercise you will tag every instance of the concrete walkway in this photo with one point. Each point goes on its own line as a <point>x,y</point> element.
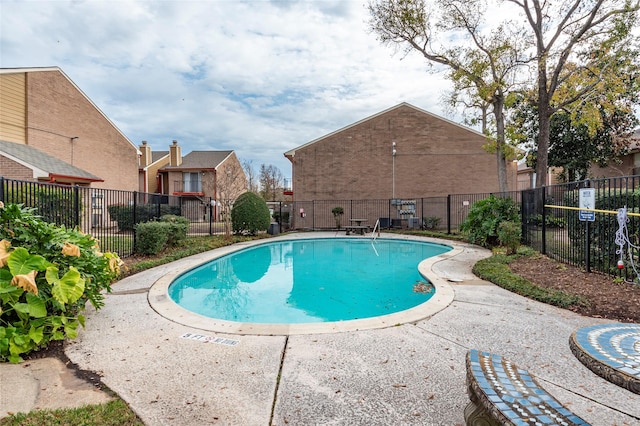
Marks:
<point>409,374</point>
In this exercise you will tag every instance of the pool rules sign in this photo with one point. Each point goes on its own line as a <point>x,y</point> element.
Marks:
<point>587,200</point>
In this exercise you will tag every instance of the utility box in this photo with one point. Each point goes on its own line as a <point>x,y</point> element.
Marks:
<point>274,229</point>
<point>414,222</point>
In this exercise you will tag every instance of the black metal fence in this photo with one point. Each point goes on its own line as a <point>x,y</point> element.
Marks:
<point>109,215</point>
<point>550,222</point>
<point>553,225</point>
<point>438,213</point>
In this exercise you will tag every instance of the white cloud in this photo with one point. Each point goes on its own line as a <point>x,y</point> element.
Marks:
<point>257,77</point>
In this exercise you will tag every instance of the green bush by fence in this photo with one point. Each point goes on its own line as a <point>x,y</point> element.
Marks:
<point>55,205</point>
<point>153,237</point>
<point>123,215</point>
<point>431,222</point>
<point>602,231</point>
<point>481,224</point>
<point>178,227</point>
<point>250,214</point>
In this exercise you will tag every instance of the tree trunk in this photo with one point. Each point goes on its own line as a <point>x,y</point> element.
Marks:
<point>542,159</point>
<point>498,111</point>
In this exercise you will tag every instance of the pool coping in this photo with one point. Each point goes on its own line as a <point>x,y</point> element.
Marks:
<point>160,301</point>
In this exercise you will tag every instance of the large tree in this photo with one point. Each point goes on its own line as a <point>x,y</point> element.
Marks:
<point>271,182</point>
<point>252,178</point>
<point>482,63</point>
<point>572,145</point>
<point>577,37</point>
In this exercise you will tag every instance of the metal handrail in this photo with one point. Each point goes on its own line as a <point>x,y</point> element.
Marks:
<point>376,226</point>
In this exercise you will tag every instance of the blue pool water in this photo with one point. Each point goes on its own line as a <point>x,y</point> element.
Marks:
<point>307,281</point>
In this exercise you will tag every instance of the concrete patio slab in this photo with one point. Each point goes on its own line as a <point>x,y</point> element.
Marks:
<point>409,374</point>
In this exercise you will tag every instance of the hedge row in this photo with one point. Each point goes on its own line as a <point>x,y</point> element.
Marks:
<point>123,215</point>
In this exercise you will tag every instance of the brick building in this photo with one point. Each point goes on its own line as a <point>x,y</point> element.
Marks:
<point>44,110</point>
<point>150,164</point>
<point>626,165</point>
<point>402,152</point>
<point>199,177</point>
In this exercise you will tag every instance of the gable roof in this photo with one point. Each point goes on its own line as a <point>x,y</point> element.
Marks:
<point>44,165</point>
<point>291,153</point>
<point>200,160</point>
<point>156,156</point>
<point>58,69</point>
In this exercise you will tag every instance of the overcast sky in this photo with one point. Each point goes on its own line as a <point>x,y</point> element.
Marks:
<point>257,77</point>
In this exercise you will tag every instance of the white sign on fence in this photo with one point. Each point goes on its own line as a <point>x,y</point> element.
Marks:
<point>587,200</point>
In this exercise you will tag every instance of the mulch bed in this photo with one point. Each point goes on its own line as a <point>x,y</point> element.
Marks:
<point>607,298</point>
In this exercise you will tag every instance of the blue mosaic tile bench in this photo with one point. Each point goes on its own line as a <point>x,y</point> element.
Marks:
<point>612,351</point>
<point>503,394</point>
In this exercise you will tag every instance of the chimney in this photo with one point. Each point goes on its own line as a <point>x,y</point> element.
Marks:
<point>175,154</point>
<point>145,158</point>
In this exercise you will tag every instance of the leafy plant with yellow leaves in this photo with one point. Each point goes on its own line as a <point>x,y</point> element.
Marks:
<point>47,274</point>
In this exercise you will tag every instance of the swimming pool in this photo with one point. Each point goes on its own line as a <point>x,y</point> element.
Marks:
<point>307,281</point>
<point>238,289</point>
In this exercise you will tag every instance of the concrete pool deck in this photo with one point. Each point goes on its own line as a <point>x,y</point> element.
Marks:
<point>410,374</point>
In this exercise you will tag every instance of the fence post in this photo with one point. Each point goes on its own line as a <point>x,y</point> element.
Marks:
<point>134,218</point>
<point>524,237</point>
<point>448,213</point>
<point>76,206</point>
<point>544,222</point>
<point>587,247</point>
<point>211,211</point>
<point>1,189</point>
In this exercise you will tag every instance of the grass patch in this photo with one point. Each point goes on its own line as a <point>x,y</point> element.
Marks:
<point>496,270</point>
<point>113,413</point>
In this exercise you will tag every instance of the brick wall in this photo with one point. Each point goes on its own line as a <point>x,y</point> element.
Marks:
<point>9,167</point>
<point>434,157</point>
<point>625,168</point>
<point>58,111</point>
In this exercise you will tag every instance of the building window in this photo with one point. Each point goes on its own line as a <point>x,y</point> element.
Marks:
<point>191,182</point>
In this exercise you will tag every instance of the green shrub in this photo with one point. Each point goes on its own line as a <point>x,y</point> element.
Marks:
<point>152,237</point>
<point>284,220</point>
<point>178,227</point>
<point>430,222</point>
<point>550,221</point>
<point>53,204</point>
<point>47,274</point>
<point>481,224</point>
<point>123,214</point>
<point>250,214</point>
<point>603,247</point>
<point>510,235</point>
